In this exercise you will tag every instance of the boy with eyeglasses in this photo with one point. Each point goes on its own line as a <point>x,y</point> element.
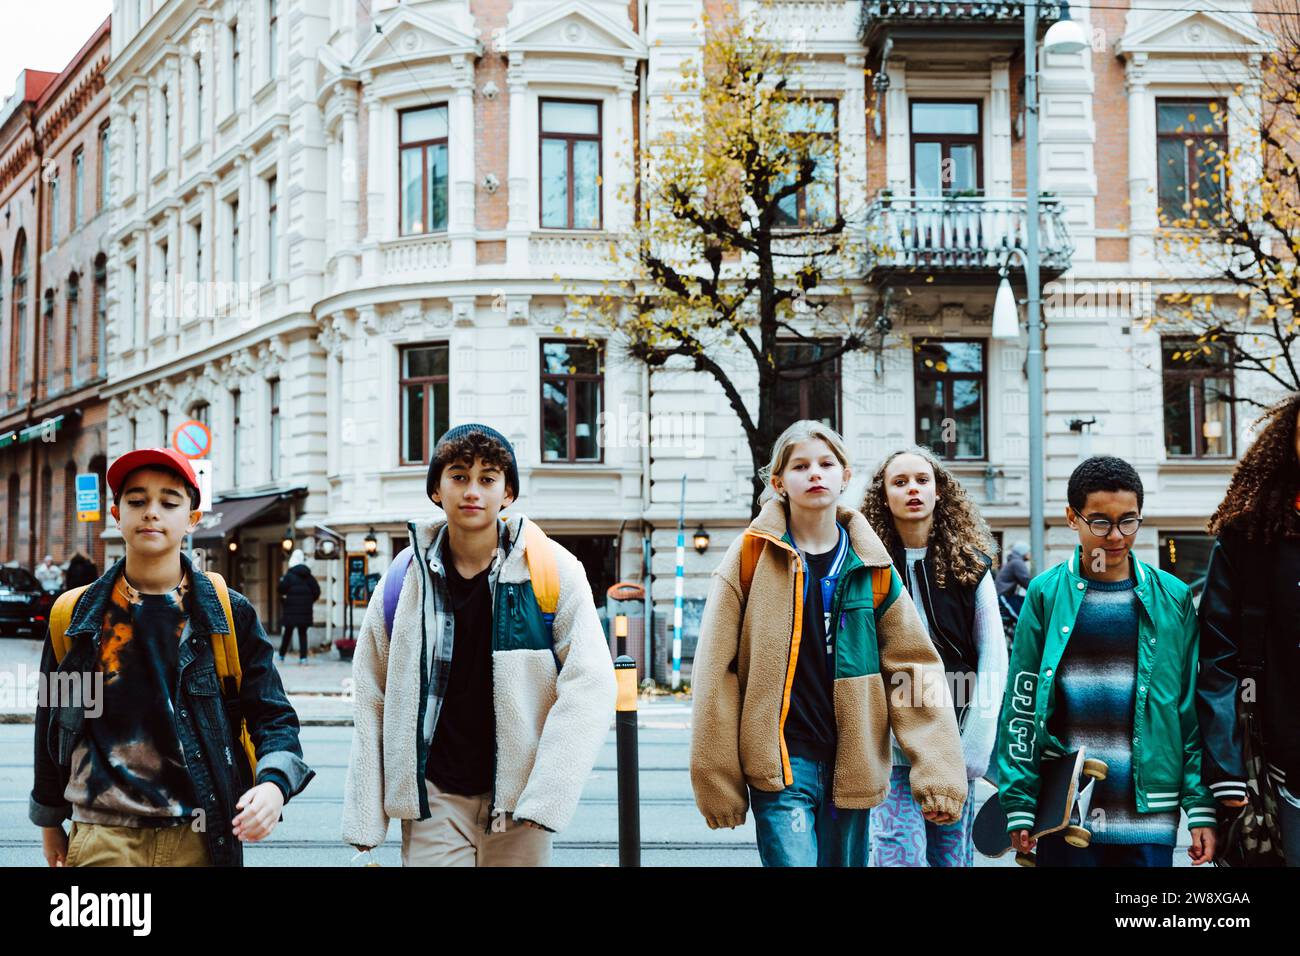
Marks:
<point>1105,658</point>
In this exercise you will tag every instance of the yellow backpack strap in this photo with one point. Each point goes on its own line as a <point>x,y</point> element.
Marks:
<point>542,569</point>
<point>751,547</point>
<point>60,619</point>
<point>225,648</point>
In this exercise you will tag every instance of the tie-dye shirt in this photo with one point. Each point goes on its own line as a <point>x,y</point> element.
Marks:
<point>127,768</point>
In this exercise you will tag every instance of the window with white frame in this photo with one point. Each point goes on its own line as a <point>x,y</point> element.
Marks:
<point>422,169</point>
<point>232,216</point>
<point>197,106</point>
<point>570,177</point>
<point>272,37</point>
<point>274,389</point>
<point>78,179</point>
<point>272,228</point>
<point>105,183</point>
<point>234,66</point>
<point>196,243</point>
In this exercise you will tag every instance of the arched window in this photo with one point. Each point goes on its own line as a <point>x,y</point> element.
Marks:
<point>71,325</point>
<point>11,537</point>
<point>98,466</point>
<point>44,537</point>
<point>99,333</point>
<point>70,543</point>
<point>47,351</point>
<point>18,325</point>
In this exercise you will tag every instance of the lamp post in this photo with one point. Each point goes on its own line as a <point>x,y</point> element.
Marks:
<point>1064,36</point>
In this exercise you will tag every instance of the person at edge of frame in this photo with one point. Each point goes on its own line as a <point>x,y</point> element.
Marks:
<point>1255,565</point>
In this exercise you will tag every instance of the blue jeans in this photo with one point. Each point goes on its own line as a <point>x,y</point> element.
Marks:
<point>1054,851</point>
<point>901,836</point>
<point>799,826</point>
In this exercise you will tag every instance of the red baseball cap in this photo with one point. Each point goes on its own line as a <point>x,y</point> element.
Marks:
<point>142,457</point>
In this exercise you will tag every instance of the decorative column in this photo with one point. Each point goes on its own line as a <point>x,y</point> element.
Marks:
<point>521,219</point>
<point>898,159</point>
<point>1141,162</point>
<point>462,216</point>
<point>350,219</point>
<point>620,178</point>
<point>376,163</point>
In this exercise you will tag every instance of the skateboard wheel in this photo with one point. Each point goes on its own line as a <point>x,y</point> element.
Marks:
<point>1026,859</point>
<point>1077,836</point>
<point>1095,768</point>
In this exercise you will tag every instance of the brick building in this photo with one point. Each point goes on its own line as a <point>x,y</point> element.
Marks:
<point>56,206</point>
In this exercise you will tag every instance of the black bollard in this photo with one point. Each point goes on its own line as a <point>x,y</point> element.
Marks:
<point>629,797</point>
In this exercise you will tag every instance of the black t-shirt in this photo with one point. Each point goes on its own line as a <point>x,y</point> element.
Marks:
<point>464,740</point>
<point>810,724</point>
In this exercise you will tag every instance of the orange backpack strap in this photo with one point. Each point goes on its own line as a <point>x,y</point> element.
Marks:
<point>881,580</point>
<point>225,648</point>
<point>61,618</point>
<point>542,570</point>
<point>751,547</point>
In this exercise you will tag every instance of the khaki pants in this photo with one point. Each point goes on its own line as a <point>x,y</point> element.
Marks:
<point>94,844</point>
<point>457,834</point>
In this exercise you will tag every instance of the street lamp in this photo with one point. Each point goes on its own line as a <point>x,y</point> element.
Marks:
<point>1064,36</point>
<point>372,543</point>
<point>701,540</point>
<point>287,543</point>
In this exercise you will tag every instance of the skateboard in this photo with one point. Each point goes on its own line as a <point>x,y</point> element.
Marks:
<point>1064,796</point>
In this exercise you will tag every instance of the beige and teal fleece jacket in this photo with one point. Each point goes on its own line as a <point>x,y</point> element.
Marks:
<point>888,676</point>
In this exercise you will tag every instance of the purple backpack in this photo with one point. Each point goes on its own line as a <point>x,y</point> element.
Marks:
<point>393,586</point>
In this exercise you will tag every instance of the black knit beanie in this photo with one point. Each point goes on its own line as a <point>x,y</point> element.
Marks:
<point>460,431</point>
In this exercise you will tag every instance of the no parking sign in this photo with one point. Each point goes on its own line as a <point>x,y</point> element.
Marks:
<point>192,439</point>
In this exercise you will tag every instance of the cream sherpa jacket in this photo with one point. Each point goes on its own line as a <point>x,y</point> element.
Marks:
<point>887,676</point>
<point>549,726</point>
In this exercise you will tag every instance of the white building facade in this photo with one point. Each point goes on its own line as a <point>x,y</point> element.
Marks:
<point>402,196</point>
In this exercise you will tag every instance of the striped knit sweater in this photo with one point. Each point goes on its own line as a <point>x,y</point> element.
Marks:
<point>1096,695</point>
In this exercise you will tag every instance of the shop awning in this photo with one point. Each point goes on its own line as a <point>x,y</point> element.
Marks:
<point>229,515</point>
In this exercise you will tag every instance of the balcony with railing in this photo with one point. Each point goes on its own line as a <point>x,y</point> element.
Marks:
<point>927,21</point>
<point>959,238</point>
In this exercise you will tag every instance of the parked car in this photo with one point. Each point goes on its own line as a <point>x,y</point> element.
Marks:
<point>24,604</point>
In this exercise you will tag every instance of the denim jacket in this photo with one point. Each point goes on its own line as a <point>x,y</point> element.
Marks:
<point>216,764</point>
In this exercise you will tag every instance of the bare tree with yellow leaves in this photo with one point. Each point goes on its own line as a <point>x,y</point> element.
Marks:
<point>741,242</point>
<point>1231,208</point>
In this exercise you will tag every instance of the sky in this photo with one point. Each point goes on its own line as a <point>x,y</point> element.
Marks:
<point>44,34</point>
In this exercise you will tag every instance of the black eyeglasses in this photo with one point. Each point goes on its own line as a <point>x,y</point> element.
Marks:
<point>1101,526</point>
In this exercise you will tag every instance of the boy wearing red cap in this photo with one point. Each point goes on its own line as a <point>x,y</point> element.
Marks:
<point>152,774</point>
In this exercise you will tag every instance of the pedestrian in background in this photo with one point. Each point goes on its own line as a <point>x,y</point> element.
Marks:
<point>50,575</point>
<point>806,634</point>
<point>1251,598</point>
<point>942,548</point>
<point>81,571</point>
<point>299,590</point>
<point>1012,582</point>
